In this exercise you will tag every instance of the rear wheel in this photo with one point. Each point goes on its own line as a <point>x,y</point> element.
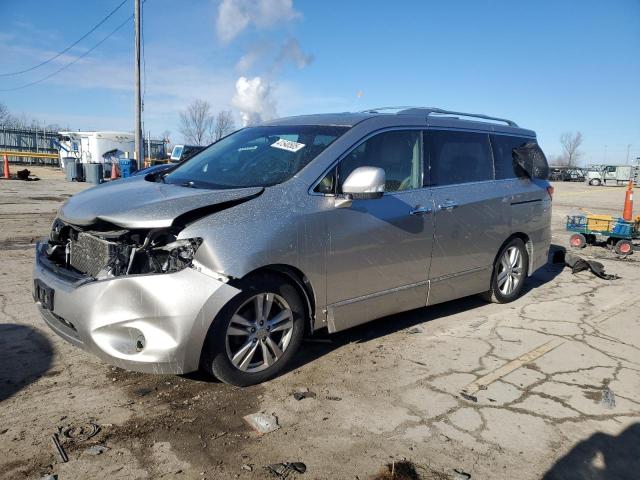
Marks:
<point>577,240</point>
<point>256,334</point>
<point>509,273</point>
<point>623,247</point>
<point>595,182</point>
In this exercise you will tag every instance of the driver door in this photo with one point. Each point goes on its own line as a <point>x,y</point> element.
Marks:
<point>380,249</point>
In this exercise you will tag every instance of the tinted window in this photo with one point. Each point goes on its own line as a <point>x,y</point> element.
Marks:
<point>503,147</point>
<point>255,156</point>
<point>458,157</point>
<point>398,152</point>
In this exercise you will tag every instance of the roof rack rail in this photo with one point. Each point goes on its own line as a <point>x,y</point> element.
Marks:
<point>439,111</point>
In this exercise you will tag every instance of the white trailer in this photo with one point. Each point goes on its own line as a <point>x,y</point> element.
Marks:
<point>89,147</point>
<point>618,175</point>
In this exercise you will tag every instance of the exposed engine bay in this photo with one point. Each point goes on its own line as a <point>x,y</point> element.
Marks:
<point>103,251</point>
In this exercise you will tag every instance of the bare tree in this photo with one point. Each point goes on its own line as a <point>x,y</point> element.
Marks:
<point>571,145</point>
<point>5,116</point>
<point>223,125</point>
<point>196,122</point>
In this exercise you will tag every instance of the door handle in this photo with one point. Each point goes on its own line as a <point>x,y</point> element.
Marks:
<point>448,205</point>
<point>420,210</point>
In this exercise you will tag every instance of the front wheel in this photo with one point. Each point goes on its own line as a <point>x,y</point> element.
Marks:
<point>595,182</point>
<point>509,273</point>
<point>256,334</point>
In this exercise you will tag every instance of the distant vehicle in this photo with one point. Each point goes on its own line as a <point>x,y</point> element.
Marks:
<point>566,174</point>
<point>611,175</point>
<point>180,153</point>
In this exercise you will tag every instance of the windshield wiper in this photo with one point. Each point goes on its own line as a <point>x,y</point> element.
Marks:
<point>189,184</point>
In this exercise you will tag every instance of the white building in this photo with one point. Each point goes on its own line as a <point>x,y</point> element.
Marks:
<point>89,147</point>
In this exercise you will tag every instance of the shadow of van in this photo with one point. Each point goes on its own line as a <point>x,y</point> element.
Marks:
<point>25,355</point>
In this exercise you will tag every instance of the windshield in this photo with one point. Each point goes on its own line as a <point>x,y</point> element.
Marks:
<point>255,156</point>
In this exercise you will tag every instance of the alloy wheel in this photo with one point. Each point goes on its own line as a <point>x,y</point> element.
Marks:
<point>510,270</point>
<point>259,332</point>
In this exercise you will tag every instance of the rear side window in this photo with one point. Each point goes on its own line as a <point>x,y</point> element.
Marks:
<point>518,157</point>
<point>503,148</point>
<point>458,157</point>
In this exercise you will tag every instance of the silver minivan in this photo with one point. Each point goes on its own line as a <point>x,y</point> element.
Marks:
<point>299,224</point>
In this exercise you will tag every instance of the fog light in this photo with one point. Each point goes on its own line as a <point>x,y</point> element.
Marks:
<point>140,343</point>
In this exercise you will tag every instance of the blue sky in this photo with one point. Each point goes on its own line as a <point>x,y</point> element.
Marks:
<point>553,66</point>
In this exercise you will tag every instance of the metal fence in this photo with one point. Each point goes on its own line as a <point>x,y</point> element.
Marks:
<point>34,140</point>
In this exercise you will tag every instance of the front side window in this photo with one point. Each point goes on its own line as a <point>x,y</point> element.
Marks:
<point>398,152</point>
<point>458,157</point>
<point>255,156</point>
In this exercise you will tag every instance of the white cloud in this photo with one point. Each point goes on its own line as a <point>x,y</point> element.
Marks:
<point>234,16</point>
<point>254,99</point>
<point>292,51</point>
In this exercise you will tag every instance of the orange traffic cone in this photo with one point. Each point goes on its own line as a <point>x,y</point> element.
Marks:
<point>114,170</point>
<point>627,213</point>
<point>7,175</point>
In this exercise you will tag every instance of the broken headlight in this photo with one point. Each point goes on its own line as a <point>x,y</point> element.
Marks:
<point>160,257</point>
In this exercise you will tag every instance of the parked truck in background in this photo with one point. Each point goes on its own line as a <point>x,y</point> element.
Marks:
<point>617,175</point>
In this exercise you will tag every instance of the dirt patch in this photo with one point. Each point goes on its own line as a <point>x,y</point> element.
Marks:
<point>199,417</point>
<point>17,243</point>
<point>49,198</point>
<point>407,470</point>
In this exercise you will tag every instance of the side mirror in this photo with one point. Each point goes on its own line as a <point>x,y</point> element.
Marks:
<point>365,183</point>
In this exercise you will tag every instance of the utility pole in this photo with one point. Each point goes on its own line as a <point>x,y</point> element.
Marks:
<point>138,128</point>
<point>628,148</point>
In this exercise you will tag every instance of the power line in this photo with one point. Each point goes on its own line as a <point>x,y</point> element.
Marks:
<point>69,47</point>
<point>70,63</point>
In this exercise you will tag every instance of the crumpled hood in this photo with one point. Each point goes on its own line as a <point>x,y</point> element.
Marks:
<point>137,203</point>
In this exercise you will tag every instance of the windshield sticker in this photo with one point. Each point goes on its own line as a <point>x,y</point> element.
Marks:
<point>244,149</point>
<point>288,145</point>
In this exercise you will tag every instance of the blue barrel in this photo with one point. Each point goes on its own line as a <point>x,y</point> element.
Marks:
<point>93,173</point>
<point>127,167</point>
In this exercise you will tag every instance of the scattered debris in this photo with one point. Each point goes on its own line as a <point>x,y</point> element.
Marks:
<point>282,470</point>
<point>414,330</point>
<point>579,264</point>
<point>49,476</point>
<point>460,474</point>
<point>96,449</point>
<point>608,399</point>
<point>262,423</point>
<point>333,398</point>
<point>302,395</point>
<point>58,446</point>
<point>80,433</point>
<point>471,398</point>
<point>402,470</point>
<point>247,467</point>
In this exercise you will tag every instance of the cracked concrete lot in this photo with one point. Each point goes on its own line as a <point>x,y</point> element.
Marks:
<point>545,387</point>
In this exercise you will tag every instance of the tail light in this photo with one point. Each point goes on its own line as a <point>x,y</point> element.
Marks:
<point>550,191</point>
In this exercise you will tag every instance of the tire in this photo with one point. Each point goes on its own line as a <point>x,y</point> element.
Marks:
<point>590,238</point>
<point>595,182</point>
<point>497,292</point>
<point>623,247</point>
<point>577,240</point>
<point>238,318</point>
